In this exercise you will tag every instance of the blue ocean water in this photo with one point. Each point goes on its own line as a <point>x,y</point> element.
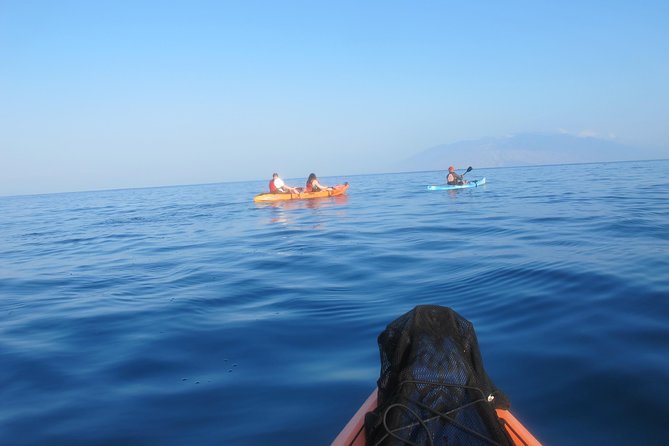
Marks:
<point>190,315</point>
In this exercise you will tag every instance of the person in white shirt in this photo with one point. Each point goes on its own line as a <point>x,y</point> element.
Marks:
<point>277,186</point>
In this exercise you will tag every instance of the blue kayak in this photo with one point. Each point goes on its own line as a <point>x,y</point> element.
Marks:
<point>473,183</point>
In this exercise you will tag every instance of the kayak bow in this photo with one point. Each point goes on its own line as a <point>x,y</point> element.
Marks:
<point>353,433</point>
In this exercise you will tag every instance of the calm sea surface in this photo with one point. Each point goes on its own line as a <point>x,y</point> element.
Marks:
<point>192,316</point>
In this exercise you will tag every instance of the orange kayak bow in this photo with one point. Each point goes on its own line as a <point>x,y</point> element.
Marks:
<point>353,433</point>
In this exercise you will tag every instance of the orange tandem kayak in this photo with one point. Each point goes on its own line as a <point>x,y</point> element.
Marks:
<point>353,433</point>
<point>268,197</point>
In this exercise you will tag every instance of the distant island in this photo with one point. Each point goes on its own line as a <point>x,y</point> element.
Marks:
<point>527,149</point>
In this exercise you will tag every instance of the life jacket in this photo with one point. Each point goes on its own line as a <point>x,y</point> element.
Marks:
<point>272,187</point>
<point>309,187</point>
<point>457,179</point>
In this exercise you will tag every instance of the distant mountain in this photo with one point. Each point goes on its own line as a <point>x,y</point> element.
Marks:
<point>526,149</point>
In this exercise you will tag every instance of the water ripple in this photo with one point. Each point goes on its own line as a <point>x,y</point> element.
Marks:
<point>184,315</point>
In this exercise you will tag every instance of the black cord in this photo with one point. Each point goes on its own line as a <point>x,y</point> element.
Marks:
<point>443,415</point>
<point>392,432</point>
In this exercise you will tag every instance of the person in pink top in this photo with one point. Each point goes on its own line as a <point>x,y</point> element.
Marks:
<point>313,185</point>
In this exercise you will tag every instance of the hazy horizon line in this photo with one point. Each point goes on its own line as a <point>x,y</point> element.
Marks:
<point>325,176</point>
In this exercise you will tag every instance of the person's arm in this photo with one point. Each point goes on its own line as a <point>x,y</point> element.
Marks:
<point>319,185</point>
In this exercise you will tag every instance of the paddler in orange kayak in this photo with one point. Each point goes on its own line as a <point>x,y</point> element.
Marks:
<point>277,186</point>
<point>313,185</point>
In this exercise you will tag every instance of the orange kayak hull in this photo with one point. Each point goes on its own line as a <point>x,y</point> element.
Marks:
<point>269,198</point>
<point>353,433</point>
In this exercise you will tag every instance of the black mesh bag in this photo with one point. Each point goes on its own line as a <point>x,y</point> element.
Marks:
<point>433,389</point>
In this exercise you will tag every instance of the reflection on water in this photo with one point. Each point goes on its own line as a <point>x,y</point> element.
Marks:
<point>283,211</point>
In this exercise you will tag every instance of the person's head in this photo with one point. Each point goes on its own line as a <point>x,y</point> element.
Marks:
<point>275,175</point>
<point>312,177</point>
<point>451,169</point>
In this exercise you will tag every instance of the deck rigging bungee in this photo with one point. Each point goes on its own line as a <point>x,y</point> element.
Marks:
<point>433,389</point>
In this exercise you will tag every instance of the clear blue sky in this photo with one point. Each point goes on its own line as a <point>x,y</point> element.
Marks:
<point>112,94</point>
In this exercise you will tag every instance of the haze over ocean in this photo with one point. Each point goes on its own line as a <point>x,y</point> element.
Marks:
<point>190,315</point>
<point>122,94</point>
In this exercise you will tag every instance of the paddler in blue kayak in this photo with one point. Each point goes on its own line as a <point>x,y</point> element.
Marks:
<point>453,178</point>
<point>277,186</point>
